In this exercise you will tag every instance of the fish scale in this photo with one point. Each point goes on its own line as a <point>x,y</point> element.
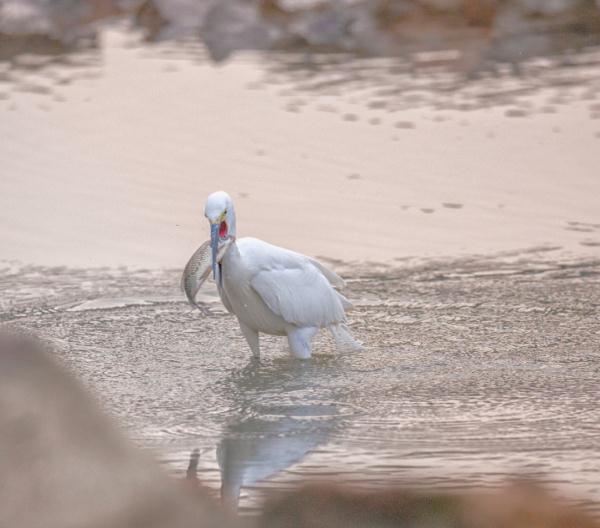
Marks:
<point>195,273</point>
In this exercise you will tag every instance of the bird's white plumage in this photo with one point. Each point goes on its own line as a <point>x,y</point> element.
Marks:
<point>289,284</point>
<point>274,290</point>
<point>301,295</point>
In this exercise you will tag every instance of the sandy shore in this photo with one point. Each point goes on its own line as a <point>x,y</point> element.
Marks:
<point>108,163</point>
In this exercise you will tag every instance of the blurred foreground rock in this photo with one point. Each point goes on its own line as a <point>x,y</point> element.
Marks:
<point>63,464</point>
<point>521,505</point>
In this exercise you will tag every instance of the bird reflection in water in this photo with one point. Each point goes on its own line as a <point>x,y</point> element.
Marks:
<point>280,418</point>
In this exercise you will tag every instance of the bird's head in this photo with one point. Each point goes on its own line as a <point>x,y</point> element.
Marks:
<point>220,214</point>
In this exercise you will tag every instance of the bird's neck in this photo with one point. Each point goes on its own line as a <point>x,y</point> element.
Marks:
<point>231,245</point>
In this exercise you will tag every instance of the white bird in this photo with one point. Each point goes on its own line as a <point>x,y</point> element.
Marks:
<point>269,289</point>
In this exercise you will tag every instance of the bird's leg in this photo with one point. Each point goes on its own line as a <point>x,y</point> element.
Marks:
<point>192,470</point>
<point>299,340</point>
<point>251,336</point>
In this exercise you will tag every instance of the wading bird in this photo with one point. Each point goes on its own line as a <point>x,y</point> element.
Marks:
<point>269,289</point>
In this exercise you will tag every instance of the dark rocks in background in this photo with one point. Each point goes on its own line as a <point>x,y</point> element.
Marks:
<point>60,19</point>
<point>149,17</point>
<point>50,28</point>
<point>232,25</point>
<point>496,30</point>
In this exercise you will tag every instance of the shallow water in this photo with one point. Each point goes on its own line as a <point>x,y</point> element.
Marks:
<point>474,367</point>
<point>472,370</point>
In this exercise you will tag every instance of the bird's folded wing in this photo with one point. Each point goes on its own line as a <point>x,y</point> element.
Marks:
<point>334,279</point>
<point>301,295</point>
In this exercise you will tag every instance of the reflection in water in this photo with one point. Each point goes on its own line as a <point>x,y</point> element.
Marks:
<point>269,432</point>
<point>254,449</point>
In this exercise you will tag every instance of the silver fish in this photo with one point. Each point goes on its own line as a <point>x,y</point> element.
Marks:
<point>197,270</point>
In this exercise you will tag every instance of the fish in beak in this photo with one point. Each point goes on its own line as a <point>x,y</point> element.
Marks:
<point>214,245</point>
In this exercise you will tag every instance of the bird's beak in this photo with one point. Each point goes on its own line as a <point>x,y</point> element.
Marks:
<point>214,246</point>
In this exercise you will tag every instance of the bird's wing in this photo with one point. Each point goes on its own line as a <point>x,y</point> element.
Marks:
<point>225,300</point>
<point>334,279</point>
<point>301,294</point>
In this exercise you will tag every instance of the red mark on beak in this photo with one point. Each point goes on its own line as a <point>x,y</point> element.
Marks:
<point>223,229</point>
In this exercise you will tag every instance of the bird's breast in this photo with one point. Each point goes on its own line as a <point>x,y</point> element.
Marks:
<point>239,296</point>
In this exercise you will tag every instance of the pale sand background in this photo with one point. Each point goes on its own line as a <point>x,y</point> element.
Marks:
<point>113,168</point>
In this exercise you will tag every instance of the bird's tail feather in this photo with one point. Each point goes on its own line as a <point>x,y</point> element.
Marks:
<point>343,338</point>
<point>347,305</point>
